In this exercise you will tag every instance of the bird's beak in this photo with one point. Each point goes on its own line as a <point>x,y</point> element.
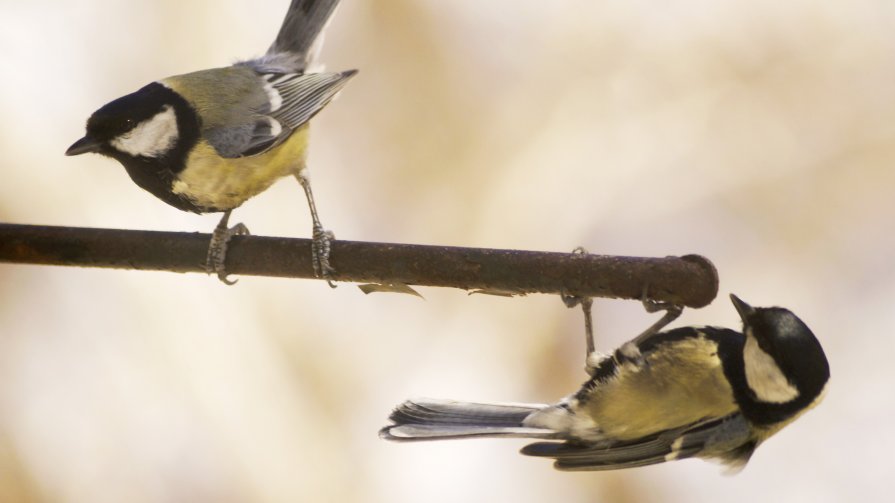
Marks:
<point>744,309</point>
<point>82,146</point>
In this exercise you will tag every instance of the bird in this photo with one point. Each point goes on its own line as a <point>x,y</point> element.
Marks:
<point>691,392</point>
<point>209,140</point>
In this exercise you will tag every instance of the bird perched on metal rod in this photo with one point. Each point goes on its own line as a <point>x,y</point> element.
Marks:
<point>703,392</point>
<point>208,141</point>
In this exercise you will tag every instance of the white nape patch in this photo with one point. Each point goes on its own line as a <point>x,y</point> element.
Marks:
<point>763,375</point>
<point>150,138</point>
<point>273,96</point>
<point>675,449</point>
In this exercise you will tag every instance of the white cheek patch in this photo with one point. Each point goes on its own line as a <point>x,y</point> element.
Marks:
<point>763,375</point>
<point>150,138</point>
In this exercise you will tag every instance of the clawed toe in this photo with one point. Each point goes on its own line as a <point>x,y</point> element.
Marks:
<point>320,251</point>
<point>215,260</point>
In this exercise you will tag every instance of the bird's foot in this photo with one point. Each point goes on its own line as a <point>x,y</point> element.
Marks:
<point>217,249</point>
<point>320,250</point>
<point>672,312</point>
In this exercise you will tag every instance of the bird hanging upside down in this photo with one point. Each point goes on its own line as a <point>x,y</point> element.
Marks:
<point>703,392</point>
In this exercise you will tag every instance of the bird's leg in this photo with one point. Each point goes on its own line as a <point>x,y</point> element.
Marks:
<point>672,311</point>
<point>591,358</point>
<point>217,248</point>
<point>322,238</point>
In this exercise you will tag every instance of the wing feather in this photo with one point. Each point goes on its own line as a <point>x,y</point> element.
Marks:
<point>723,438</point>
<point>291,101</point>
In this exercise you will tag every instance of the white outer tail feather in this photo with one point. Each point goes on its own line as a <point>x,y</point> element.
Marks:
<point>431,419</point>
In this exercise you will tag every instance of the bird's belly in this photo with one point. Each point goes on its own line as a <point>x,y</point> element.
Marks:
<point>218,184</point>
<point>676,387</point>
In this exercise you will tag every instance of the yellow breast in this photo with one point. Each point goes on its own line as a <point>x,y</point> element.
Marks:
<point>212,181</point>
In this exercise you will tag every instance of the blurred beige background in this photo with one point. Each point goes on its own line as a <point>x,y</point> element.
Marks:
<point>758,133</point>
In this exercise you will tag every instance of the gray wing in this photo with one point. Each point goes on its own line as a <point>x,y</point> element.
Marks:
<point>291,101</point>
<point>727,438</point>
<point>302,96</point>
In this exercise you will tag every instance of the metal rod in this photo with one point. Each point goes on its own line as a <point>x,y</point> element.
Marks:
<point>690,280</point>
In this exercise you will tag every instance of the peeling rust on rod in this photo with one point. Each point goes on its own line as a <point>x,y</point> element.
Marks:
<point>690,280</point>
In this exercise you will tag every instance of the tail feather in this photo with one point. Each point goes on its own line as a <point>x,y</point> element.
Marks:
<point>303,24</point>
<point>428,419</point>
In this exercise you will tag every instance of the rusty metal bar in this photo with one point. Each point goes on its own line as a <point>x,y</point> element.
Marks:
<point>690,280</point>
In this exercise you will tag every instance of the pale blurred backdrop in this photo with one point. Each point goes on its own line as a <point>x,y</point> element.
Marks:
<point>758,133</point>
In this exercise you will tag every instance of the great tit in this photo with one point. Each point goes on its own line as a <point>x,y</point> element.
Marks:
<point>208,141</point>
<point>704,392</point>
